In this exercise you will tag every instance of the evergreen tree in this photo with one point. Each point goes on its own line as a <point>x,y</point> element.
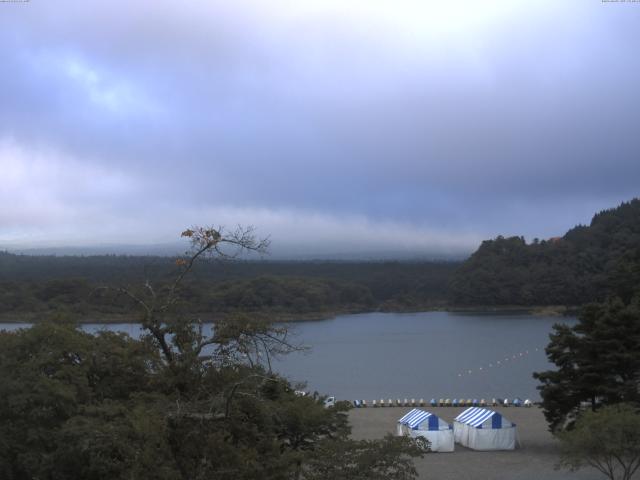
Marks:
<point>598,362</point>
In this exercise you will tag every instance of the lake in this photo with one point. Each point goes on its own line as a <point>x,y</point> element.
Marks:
<point>414,355</point>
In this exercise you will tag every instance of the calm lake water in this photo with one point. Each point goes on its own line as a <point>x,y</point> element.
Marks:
<point>414,355</point>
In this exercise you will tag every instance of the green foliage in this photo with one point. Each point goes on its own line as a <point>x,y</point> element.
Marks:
<point>608,440</point>
<point>48,375</point>
<point>364,460</point>
<point>74,405</point>
<point>177,404</point>
<point>36,286</point>
<point>586,265</point>
<point>288,294</point>
<point>598,361</point>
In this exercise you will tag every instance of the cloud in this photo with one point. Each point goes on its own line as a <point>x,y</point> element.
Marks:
<point>43,190</point>
<point>440,120</point>
<point>60,201</point>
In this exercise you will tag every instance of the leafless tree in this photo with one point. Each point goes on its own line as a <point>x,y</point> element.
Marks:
<point>190,350</point>
<point>178,339</point>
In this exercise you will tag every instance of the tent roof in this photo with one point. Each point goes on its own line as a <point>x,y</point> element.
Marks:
<point>475,416</point>
<point>415,417</point>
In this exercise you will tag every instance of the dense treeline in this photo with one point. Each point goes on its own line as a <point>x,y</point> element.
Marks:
<point>588,264</point>
<point>34,285</point>
<point>597,360</point>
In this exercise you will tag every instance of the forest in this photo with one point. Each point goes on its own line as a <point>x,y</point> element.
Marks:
<point>588,264</point>
<point>31,286</point>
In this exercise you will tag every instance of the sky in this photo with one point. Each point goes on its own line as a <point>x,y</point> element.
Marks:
<point>333,126</point>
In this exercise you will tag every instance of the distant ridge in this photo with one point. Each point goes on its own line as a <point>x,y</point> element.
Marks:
<point>161,249</point>
<point>282,254</point>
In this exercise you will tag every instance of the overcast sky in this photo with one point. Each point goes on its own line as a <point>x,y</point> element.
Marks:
<point>331,125</point>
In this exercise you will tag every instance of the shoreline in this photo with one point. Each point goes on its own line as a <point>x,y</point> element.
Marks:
<point>291,317</point>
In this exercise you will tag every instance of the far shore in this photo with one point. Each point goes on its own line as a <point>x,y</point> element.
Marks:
<point>285,317</point>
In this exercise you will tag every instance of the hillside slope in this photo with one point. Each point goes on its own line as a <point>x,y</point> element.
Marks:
<point>587,264</point>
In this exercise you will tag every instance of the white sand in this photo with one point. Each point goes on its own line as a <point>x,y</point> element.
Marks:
<point>535,460</point>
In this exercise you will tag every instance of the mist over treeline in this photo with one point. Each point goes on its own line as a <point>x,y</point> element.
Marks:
<point>587,264</point>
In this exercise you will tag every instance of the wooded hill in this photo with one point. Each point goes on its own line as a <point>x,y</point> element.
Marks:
<point>587,264</point>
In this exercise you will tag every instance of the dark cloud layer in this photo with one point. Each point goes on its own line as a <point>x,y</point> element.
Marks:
<point>390,125</point>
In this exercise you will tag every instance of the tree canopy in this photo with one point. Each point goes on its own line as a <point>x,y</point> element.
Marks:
<point>177,404</point>
<point>598,361</point>
<point>587,264</point>
<point>607,440</point>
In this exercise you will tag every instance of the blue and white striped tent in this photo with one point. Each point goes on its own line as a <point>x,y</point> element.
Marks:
<point>419,423</point>
<point>484,429</point>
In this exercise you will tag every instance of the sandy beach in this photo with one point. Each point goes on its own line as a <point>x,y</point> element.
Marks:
<point>534,460</point>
